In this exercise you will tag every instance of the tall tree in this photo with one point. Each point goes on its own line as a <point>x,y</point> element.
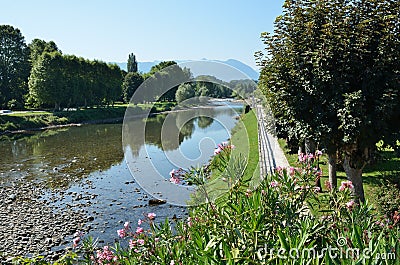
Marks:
<point>132,63</point>
<point>14,66</point>
<point>332,75</point>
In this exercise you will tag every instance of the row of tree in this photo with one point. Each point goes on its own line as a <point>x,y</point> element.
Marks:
<point>64,81</point>
<point>331,72</point>
<point>40,76</point>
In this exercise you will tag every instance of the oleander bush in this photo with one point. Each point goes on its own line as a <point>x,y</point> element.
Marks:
<point>268,224</point>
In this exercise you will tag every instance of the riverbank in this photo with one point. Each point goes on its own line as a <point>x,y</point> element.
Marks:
<point>23,122</point>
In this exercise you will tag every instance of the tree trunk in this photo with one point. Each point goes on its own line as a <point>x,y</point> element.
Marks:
<point>355,176</point>
<point>332,158</point>
<point>310,146</point>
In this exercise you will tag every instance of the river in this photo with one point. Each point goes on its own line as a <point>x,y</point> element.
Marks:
<point>85,168</point>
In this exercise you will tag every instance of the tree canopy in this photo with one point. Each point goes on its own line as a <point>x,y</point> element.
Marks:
<point>14,67</point>
<point>331,73</point>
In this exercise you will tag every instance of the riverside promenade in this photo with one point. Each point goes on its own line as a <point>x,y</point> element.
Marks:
<point>270,153</point>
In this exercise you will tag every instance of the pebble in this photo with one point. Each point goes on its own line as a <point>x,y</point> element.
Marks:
<point>30,226</point>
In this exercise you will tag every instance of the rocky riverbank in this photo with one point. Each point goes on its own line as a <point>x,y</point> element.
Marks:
<point>31,226</point>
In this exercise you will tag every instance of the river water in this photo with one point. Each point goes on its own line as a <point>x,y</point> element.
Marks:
<point>84,167</point>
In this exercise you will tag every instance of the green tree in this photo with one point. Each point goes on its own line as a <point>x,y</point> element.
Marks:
<point>132,63</point>
<point>47,86</point>
<point>14,66</point>
<point>184,92</point>
<point>131,82</point>
<point>332,75</point>
<point>37,47</point>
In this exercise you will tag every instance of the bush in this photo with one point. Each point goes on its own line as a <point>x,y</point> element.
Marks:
<point>388,198</point>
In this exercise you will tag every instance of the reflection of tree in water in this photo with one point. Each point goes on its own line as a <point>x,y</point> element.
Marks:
<point>166,132</point>
<point>204,121</point>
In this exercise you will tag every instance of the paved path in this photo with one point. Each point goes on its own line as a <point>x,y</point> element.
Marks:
<point>271,154</point>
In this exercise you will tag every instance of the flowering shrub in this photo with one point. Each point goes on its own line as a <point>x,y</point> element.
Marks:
<point>270,224</point>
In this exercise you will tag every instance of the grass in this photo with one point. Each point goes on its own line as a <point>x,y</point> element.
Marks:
<point>247,130</point>
<point>373,175</point>
<point>245,139</point>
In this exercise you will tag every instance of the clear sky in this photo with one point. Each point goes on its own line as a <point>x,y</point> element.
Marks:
<point>153,29</point>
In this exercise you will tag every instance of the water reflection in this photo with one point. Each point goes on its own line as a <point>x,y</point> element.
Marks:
<point>62,156</point>
<point>183,139</point>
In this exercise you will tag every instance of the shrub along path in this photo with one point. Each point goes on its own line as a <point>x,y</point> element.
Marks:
<point>271,154</point>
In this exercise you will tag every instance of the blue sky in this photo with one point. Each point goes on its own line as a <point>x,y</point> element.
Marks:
<point>152,29</point>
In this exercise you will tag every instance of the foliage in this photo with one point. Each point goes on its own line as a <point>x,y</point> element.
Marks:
<point>330,74</point>
<point>184,92</point>
<point>131,82</point>
<point>269,224</point>
<point>68,81</point>
<point>14,66</point>
<point>389,199</point>
<point>37,47</point>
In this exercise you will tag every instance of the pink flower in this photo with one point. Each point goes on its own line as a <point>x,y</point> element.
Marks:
<point>217,151</point>
<point>140,241</point>
<point>121,233</point>
<point>248,193</point>
<point>317,189</point>
<point>172,173</point>
<point>76,241</point>
<point>175,180</point>
<point>126,226</point>
<point>132,243</point>
<point>232,146</point>
<point>139,230</point>
<point>350,205</point>
<point>139,222</point>
<point>156,239</point>
<point>291,171</point>
<point>274,184</point>
<point>172,262</point>
<point>151,216</point>
<point>105,255</point>
<point>346,185</point>
<point>189,221</point>
<point>319,153</point>
<point>310,156</point>
<point>302,157</point>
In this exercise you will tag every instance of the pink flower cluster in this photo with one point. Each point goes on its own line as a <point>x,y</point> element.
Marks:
<point>77,239</point>
<point>307,157</point>
<point>105,256</point>
<point>346,185</point>
<point>223,146</point>
<point>175,175</point>
<point>350,204</point>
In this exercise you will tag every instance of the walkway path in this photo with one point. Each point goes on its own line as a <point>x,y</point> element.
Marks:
<point>271,154</point>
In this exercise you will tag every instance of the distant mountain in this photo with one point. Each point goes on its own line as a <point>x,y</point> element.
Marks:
<point>145,67</point>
